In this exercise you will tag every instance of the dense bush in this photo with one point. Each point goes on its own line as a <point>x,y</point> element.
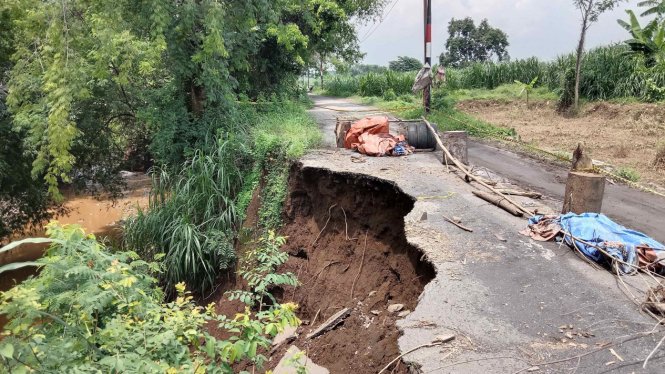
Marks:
<point>93,311</point>
<point>195,209</point>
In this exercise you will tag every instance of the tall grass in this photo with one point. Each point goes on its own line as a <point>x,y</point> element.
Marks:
<point>371,84</point>
<point>607,73</point>
<point>191,217</point>
<point>342,86</point>
<point>195,209</point>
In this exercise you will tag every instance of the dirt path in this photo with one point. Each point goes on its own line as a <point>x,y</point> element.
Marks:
<point>512,303</point>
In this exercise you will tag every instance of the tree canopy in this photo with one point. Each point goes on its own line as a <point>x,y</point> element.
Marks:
<point>469,43</point>
<point>405,63</point>
<point>93,81</point>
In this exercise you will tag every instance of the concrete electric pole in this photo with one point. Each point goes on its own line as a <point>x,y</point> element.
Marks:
<point>427,91</point>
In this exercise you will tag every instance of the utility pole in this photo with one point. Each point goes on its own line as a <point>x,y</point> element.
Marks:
<point>427,91</point>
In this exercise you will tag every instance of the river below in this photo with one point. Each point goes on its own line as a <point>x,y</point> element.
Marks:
<point>98,215</point>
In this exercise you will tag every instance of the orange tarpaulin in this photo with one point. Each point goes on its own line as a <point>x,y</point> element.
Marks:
<point>378,144</point>
<point>371,136</point>
<point>369,125</point>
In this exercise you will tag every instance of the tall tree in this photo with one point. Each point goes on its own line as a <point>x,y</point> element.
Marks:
<point>23,200</point>
<point>590,10</point>
<point>467,43</point>
<point>405,63</point>
<point>92,78</point>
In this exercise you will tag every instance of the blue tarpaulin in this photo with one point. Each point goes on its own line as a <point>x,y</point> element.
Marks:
<point>592,230</point>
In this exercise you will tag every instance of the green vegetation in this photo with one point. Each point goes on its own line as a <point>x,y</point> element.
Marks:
<point>505,92</point>
<point>372,84</point>
<point>590,11</point>
<point>259,270</point>
<point>195,210</point>
<point>527,88</point>
<point>607,74</point>
<point>468,43</point>
<point>404,64</point>
<point>93,310</point>
<point>628,173</point>
<point>191,217</point>
<point>94,88</point>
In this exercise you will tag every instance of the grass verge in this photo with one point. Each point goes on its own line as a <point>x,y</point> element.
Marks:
<point>197,208</point>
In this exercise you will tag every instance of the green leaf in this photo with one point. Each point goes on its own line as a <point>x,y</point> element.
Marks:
<point>7,351</point>
<point>17,243</point>
<point>18,265</point>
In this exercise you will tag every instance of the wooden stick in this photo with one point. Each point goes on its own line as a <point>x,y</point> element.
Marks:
<point>457,224</point>
<point>315,317</point>
<point>646,361</point>
<point>500,201</point>
<point>466,172</point>
<point>531,194</point>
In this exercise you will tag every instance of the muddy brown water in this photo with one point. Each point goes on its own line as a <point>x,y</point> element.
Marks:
<point>97,215</point>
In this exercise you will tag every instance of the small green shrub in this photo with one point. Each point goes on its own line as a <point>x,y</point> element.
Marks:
<point>94,311</point>
<point>628,173</point>
<point>441,100</point>
<point>389,95</point>
<point>407,98</point>
<point>259,270</point>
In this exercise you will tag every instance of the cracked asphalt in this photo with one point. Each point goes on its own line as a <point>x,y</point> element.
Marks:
<point>511,302</point>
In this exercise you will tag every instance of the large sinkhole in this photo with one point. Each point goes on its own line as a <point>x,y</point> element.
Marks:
<point>346,235</point>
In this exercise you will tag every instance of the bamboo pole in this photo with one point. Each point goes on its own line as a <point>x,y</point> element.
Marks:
<point>469,175</point>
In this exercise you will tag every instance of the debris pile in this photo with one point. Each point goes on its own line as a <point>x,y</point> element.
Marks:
<point>602,240</point>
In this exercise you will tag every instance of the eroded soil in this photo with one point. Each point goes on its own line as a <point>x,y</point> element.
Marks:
<point>624,135</point>
<point>348,248</point>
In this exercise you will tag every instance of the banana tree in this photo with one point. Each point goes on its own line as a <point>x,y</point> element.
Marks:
<point>527,87</point>
<point>655,7</point>
<point>648,41</point>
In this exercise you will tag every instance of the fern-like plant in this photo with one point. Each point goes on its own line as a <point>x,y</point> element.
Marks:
<point>260,272</point>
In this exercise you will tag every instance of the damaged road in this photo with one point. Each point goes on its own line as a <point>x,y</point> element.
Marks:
<point>513,304</point>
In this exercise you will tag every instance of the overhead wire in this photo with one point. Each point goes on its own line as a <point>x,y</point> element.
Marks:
<point>373,28</point>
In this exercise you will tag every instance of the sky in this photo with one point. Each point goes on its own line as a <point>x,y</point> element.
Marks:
<point>541,28</point>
